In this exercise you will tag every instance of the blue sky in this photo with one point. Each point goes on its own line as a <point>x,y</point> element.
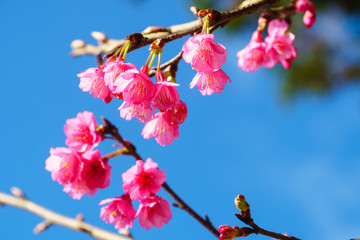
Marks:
<point>297,164</point>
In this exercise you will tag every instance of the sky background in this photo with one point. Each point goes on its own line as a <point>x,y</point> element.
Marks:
<point>297,163</point>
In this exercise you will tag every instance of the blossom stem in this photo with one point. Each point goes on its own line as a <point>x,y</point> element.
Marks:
<point>127,46</point>
<point>152,60</point>
<point>115,153</point>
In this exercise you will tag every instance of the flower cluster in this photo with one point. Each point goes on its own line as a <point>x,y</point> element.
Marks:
<point>79,168</point>
<point>141,182</point>
<point>276,48</point>
<point>206,57</point>
<point>141,96</point>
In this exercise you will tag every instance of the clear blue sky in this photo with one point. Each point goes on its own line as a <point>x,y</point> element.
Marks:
<point>298,165</point>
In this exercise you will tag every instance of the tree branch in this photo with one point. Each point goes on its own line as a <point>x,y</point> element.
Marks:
<point>53,218</point>
<point>111,129</point>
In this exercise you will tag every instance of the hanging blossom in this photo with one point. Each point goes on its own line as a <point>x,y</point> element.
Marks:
<point>166,95</point>
<point>78,173</point>
<point>81,132</point>
<point>280,46</point>
<point>153,212</point>
<point>206,57</point>
<point>308,8</point>
<point>92,81</point>
<point>143,179</point>
<point>165,125</point>
<point>276,48</point>
<point>120,211</point>
<point>254,54</point>
<point>143,111</point>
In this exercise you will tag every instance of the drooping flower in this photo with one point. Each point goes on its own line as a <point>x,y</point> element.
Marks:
<point>177,114</point>
<point>254,54</point>
<point>92,80</point>
<point>280,46</point>
<point>113,70</point>
<point>120,211</point>
<point>81,132</point>
<point>143,111</point>
<point>142,179</point>
<point>308,8</point>
<point>203,53</point>
<point>78,173</point>
<point>166,94</point>
<point>161,128</point>
<point>153,212</point>
<point>210,82</point>
<point>136,86</point>
<point>64,165</point>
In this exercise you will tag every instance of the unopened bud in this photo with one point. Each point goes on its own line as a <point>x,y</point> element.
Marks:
<point>99,36</point>
<point>77,43</point>
<point>17,192</point>
<point>154,29</point>
<point>194,10</point>
<point>242,205</point>
<point>262,22</point>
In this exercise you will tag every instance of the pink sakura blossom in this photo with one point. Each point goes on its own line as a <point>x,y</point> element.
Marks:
<point>92,80</point>
<point>112,70</point>
<point>79,173</point>
<point>136,86</point>
<point>161,128</point>
<point>210,82</point>
<point>177,114</point>
<point>254,54</point>
<point>166,94</point>
<point>120,211</point>
<point>203,53</point>
<point>308,8</point>
<point>142,179</point>
<point>81,132</point>
<point>280,46</point>
<point>143,111</point>
<point>153,211</point>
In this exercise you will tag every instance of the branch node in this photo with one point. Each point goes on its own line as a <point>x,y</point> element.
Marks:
<point>42,226</point>
<point>17,192</point>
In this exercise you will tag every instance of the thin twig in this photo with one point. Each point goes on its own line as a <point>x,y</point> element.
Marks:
<point>111,129</point>
<point>53,218</point>
<point>258,230</point>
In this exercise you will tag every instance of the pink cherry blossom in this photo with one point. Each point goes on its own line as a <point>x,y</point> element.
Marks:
<point>120,211</point>
<point>81,132</point>
<point>308,8</point>
<point>79,173</point>
<point>143,111</point>
<point>161,128</point>
<point>279,44</point>
<point>153,212</point>
<point>113,70</point>
<point>92,80</point>
<point>210,82</point>
<point>203,53</point>
<point>254,54</point>
<point>142,179</point>
<point>136,86</point>
<point>166,94</point>
<point>64,165</point>
<point>177,114</point>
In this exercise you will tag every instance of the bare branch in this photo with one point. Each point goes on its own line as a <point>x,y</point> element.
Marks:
<point>53,218</point>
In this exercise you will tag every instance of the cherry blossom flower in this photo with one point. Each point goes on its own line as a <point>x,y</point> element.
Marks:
<point>280,46</point>
<point>203,53</point>
<point>142,179</point>
<point>161,128</point>
<point>153,212</point>
<point>120,211</point>
<point>166,94</point>
<point>308,8</point>
<point>254,54</point>
<point>143,111</point>
<point>177,114</point>
<point>112,70</point>
<point>81,132</point>
<point>79,173</point>
<point>210,82</point>
<point>136,86</point>
<point>92,80</point>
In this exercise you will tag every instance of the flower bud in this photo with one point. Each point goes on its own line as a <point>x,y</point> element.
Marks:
<point>242,205</point>
<point>227,232</point>
<point>99,36</point>
<point>77,43</point>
